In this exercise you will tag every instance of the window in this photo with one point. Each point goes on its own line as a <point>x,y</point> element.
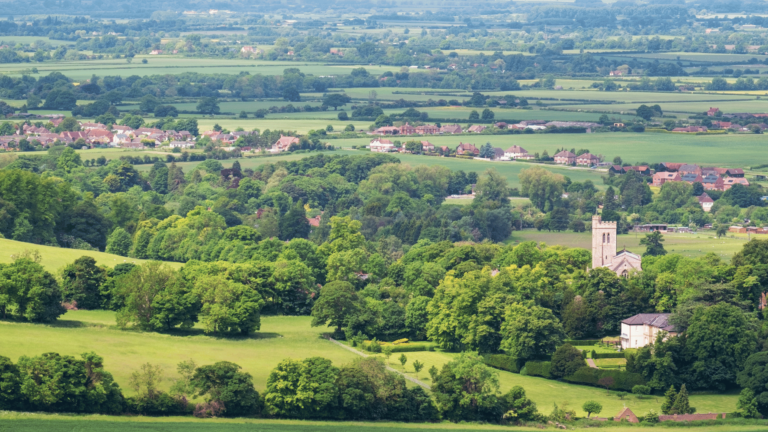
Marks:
<point>603,237</point>
<point>609,237</point>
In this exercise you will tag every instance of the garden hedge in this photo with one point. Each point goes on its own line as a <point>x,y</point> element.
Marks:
<point>607,355</point>
<point>538,368</point>
<point>501,361</point>
<point>622,380</point>
<point>400,348</point>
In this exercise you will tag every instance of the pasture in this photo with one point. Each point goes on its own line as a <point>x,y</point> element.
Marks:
<point>689,245</point>
<point>727,150</point>
<point>280,337</point>
<point>54,258</point>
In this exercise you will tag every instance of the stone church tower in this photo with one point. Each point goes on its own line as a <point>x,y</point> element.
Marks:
<point>604,249</point>
<point>603,242</point>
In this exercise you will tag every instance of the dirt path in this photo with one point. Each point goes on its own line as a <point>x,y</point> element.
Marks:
<point>360,353</point>
<point>591,363</point>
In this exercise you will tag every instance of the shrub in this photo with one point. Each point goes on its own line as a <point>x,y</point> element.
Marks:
<point>566,361</point>
<point>641,390</point>
<point>538,368</point>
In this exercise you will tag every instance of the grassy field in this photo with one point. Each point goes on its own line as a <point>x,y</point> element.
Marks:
<point>548,392</point>
<point>730,150</point>
<point>125,351</point>
<point>160,65</point>
<point>24,422</point>
<point>279,338</point>
<point>689,245</point>
<point>53,258</point>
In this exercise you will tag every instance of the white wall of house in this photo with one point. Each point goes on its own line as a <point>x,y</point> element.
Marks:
<point>638,336</point>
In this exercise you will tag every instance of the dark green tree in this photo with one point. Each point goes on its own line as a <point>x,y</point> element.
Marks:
<point>336,100</point>
<point>208,105</point>
<point>653,244</point>
<point>81,282</point>
<point>566,361</point>
<point>294,223</point>
<point>224,382</point>
<point>337,302</point>
<point>558,219</point>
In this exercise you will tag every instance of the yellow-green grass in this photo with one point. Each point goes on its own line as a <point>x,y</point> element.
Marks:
<point>688,245</point>
<point>34,422</point>
<point>622,96</point>
<point>54,258</point>
<point>125,351</point>
<point>301,126</point>
<point>610,362</point>
<point>548,392</point>
<point>279,338</point>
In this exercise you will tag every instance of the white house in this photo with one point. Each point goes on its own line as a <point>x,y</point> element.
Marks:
<point>182,144</point>
<point>382,146</point>
<point>642,329</point>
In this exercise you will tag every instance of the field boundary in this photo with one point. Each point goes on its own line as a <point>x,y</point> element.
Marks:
<point>389,368</point>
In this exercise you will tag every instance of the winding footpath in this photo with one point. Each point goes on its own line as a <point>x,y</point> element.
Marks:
<point>360,353</point>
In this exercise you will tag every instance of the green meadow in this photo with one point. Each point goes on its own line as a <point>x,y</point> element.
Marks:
<point>280,337</point>
<point>54,258</point>
<point>689,245</point>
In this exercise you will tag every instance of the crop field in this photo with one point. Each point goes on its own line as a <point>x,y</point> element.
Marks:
<point>688,245</point>
<point>751,105</point>
<point>279,338</point>
<point>54,258</point>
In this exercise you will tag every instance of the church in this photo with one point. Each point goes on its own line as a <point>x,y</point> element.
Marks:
<point>604,249</point>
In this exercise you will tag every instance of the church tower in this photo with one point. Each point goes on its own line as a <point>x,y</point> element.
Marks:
<point>603,242</point>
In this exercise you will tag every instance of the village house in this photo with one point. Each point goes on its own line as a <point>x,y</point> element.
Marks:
<point>451,129</point>
<point>101,136</point>
<point>641,330</point>
<point>427,146</point>
<point>120,138</point>
<point>407,129</point>
<point>467,149</point>
<point>382,146</point>
<point>735,172</point>
<point>587,159</point>
<point>689,169</point>
<point>476,128</point>
<point>565,158</point>
<point>283,144</point>
<point>517,152</point>
<point>90,126</point>
<point>628,415</point>
<point>386,130</point>
<point>427,130</point>
<point>713,111</point>
<point>706,202</point>
<point>498,154</point>
<point>182,144</point>
<point>691,178</point>
<point>662,177</point>
<point>147,131</point>
<point>616,73</point>
<point>712,182</point>
<point>122,129</point>
<point>729,182</point>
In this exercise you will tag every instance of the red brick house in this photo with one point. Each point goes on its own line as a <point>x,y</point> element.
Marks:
<point>565,157</point>
<point>451,129</point>
<point>628,415</point>
<point>427,130</point>
<point>467,149</point>
<point>662,177</point>
<point>407,129</point>
<point>713,111</point>
<point>587,159</point>
<point>284,143</point>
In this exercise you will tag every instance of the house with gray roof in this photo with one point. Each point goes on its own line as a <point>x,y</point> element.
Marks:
<point>642,329</point>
